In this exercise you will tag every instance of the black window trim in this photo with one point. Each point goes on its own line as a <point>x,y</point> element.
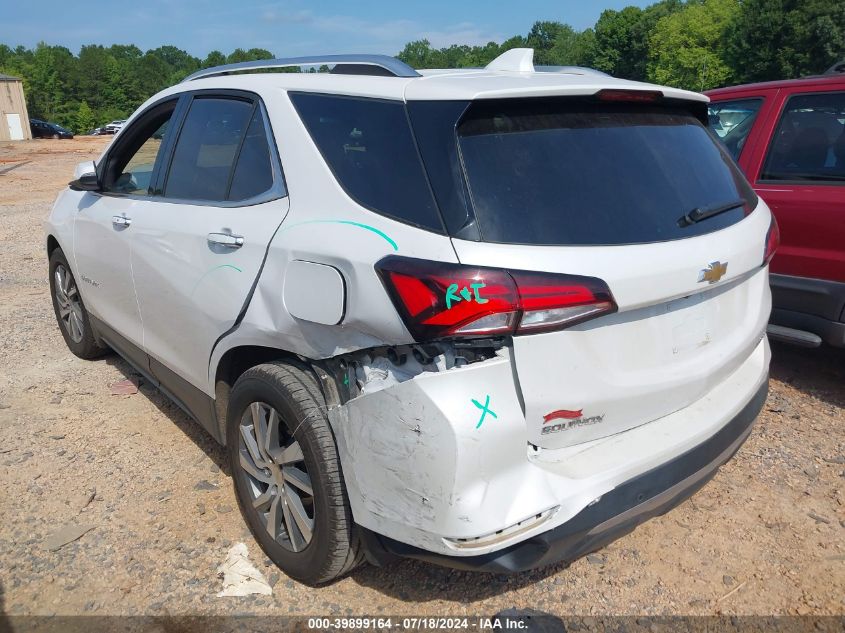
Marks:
<point>441,230</point>
<point>797,182</point>
<point>468,227</point>
<point>162,167</point>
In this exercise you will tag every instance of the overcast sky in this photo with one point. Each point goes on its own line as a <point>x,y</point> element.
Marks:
<point>284,28</point>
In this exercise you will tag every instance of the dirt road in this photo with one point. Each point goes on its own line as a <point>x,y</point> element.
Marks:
<point>766,536</point>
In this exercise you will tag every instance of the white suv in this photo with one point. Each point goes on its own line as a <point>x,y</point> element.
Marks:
<point>115,126</point>
<point>490,318</point>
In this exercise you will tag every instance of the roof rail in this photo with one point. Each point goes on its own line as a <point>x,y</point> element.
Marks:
<point>383,65</point>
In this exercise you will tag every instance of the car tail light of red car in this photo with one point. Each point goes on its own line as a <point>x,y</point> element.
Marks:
<point>441,300</point>
<point>772,241</point>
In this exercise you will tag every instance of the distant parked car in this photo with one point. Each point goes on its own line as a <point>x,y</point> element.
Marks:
<point>115,126</point>
<point>43,129</point>
<point>789,139</point>
<point>98,131</point>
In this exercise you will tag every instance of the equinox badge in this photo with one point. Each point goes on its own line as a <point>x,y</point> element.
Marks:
<point>713,273</point>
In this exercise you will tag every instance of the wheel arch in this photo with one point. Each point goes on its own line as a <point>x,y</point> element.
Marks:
<point>237,360</point>
<point>52,244</point>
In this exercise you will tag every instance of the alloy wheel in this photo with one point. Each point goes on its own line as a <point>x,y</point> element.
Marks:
<point>70,303</point>
<point>278,480</point>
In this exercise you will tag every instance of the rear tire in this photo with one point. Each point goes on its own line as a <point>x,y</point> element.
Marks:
<point>70,311</point>
<point>287,473</point>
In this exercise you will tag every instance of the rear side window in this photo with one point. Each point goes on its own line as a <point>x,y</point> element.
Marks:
<point>732,121</point>
<point>253,172</point>
<point>368,145</point>
<point>558,172</point>
<point>222,153</point>
<point>809,144</point>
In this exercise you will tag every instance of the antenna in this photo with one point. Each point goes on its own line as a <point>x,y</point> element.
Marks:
<point>520,60</point>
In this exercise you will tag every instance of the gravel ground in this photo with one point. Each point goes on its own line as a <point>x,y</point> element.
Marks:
<point>764,537</point>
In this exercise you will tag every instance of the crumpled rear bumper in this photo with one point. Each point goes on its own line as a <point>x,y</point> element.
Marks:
<point>617,513</point>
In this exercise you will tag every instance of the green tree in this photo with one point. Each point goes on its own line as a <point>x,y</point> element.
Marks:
<point>583,49</point>
<point>572,48</point>
<point>620,47</point>
<point>687,47</point>
<point>253,54</point>
<point>416,54</point>
<point>48,83</point>
<point>551,41</point>
<point>214,58</point>
<point>620,42</point>
<point>84,119</point>
<point>782,39</point>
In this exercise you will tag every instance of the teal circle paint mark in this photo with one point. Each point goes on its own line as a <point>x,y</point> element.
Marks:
<point>360,225</point>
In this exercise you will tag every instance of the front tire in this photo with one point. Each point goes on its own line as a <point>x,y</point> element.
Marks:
<point>287,473</point>
<point>71,314</point>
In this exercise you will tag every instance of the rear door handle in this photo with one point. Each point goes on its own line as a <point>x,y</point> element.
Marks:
<point>226,239</point>
<point>120,220</point>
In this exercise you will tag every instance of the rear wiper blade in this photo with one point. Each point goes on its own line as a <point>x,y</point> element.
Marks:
<point>702,213</point>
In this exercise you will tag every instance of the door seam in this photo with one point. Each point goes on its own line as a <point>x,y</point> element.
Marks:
<point>137,300</point>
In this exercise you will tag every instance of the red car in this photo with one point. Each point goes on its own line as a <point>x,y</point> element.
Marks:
<point>789,139</point>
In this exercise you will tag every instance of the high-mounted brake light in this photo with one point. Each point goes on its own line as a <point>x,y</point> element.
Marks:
<point>772,241</point>
<point>439,300</point>
<point>640,96</point>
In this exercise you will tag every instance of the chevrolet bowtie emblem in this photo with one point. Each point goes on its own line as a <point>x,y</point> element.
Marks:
<point>713,273</point>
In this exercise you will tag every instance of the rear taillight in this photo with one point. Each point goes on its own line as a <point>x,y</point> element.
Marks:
<point>772,241</point>
<point>440,300</point>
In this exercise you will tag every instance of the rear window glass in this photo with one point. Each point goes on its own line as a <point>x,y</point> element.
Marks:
<point>368,145</point>
<point>562,173</point>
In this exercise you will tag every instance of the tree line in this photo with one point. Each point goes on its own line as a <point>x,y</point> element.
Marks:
<point>693,44</point>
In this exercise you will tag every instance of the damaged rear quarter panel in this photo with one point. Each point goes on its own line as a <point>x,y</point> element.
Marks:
<point>416,464</point>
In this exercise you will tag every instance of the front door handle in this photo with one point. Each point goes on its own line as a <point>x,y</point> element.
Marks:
<point>226,239</point>
<point>120,221</point>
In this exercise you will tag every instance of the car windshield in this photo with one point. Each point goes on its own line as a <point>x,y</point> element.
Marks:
<point>557,172</point>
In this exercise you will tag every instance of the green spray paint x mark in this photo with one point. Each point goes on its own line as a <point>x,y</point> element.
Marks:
<point>485,409</point>
<point>360,225</point>
<point>452,293</point>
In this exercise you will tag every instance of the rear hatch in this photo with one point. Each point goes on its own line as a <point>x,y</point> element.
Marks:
<point>642,197</point>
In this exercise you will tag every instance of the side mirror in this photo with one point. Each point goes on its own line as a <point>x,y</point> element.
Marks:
<point>86,182</point>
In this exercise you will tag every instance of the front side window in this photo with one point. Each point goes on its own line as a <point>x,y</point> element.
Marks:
<point>368,145</point>
<point>809,143</point>
<point>732,121</point>
<point>130,166</point>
